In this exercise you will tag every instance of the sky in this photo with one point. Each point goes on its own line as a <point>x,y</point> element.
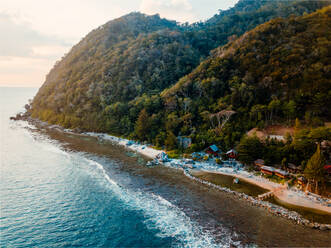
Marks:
<point>37,33</point>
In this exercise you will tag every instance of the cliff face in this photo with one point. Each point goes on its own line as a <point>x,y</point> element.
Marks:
<point>122,67</point>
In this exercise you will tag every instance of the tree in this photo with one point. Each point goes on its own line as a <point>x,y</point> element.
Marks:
<point>222,118</point>
<point>171,141</point>
<point>273,107</point>
<point>289,110</point>
<point>297,125</point>
<point>284,163</point>
<point>314,170</point>
<point>142,125</point>
<point>249,149</point>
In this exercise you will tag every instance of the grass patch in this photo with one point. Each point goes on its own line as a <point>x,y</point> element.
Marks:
<point>174,154</point>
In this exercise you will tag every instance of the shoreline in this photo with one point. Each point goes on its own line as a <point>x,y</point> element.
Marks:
<point>285,195</point>
<point>152,153</point>
<point>144,150</point>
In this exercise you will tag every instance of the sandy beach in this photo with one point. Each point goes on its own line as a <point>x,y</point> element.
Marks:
<point>141,149</point>
<point>281,192</point>
<point>297,198</point>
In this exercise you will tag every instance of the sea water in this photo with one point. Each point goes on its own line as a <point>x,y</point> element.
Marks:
<point>51,197</point>
<point>62,190</point>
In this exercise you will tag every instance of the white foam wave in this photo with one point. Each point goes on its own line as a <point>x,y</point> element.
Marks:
<point>159,213</point>
<point>103,171</point>
<point>162,215</point>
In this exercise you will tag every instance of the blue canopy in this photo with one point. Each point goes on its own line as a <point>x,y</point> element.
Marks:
<point>214,148</point>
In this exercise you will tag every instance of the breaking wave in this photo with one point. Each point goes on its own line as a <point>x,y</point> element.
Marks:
<point>163,215</point>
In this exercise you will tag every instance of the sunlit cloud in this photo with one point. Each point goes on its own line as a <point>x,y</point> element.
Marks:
<point>18,39</point>
<point>35,34</point>
<point>23,71</point>
<point>179,10</point>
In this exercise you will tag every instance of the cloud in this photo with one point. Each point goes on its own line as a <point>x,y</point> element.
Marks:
<point>34,34</point>
<point>19,39</point>
<point>26,55</point>
<point>23,71</point>
<point>70,20</point>
<point>179,10</point>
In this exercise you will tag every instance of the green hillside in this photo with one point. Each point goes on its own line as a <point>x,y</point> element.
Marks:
<point>275,73</point>
<point>139,76</point>
<point>121,67</point>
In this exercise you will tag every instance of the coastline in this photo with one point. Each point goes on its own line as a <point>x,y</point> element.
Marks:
<point>152,153</point>
<point>285,195</point>
<point>141,149</point>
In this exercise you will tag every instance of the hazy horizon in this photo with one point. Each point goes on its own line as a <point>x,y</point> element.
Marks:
<point>44,31</point>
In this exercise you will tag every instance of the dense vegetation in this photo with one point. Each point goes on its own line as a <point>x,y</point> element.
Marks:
<point>275,73</point>
<point>297,149</point>
<point>139,76</point>
<point>104,81</point>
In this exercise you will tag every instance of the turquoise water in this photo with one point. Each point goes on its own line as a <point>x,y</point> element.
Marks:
<point>51,197</point>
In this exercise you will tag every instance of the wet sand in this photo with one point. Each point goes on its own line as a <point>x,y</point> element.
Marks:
<point>227,181</point>
<point>211,208</point>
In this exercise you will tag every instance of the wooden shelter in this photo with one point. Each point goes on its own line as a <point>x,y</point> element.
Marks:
<point>281,173</point>
<point>327,169</point>
<point>267,170</point>
<point>213,149</point>
<point>292,168</point>
<point>301,181</point>
<point>259,163</point>
<point>232,153</point>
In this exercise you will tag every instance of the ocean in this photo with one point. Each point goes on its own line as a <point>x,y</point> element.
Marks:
<point>55,198</point>
<point>59,190</point>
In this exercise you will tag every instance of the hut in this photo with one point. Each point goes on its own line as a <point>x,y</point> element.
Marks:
<point>196,155</point>
<point>232,153</point>
<point>267,170</point>
<point>327,169</point>
<point>213,149</point>
<point>301,181</point>
<point>184,142</point>
<point>259,163</point>
<point>292,168</point>
<point>281,173</point>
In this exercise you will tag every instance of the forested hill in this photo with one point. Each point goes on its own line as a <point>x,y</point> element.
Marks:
<point>246,15</point>
<point>275,73</point>
<point>120,69</point>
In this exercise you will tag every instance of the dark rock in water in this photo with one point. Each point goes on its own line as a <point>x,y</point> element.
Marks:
<point>20,116</point>
<point>27,106</point>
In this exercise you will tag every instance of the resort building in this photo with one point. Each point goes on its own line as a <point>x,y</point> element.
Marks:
<point>281,173</point>
<point>301,181</point>
<point>267,170</point>
<point>327,168</point>
<point>232,153</point>
<point>184,142</point>
<point>292,168</point>
<point>213,149</point>
<point>259,163</point>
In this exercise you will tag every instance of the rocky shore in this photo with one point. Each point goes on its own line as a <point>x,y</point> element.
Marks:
<point>272,208</point>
